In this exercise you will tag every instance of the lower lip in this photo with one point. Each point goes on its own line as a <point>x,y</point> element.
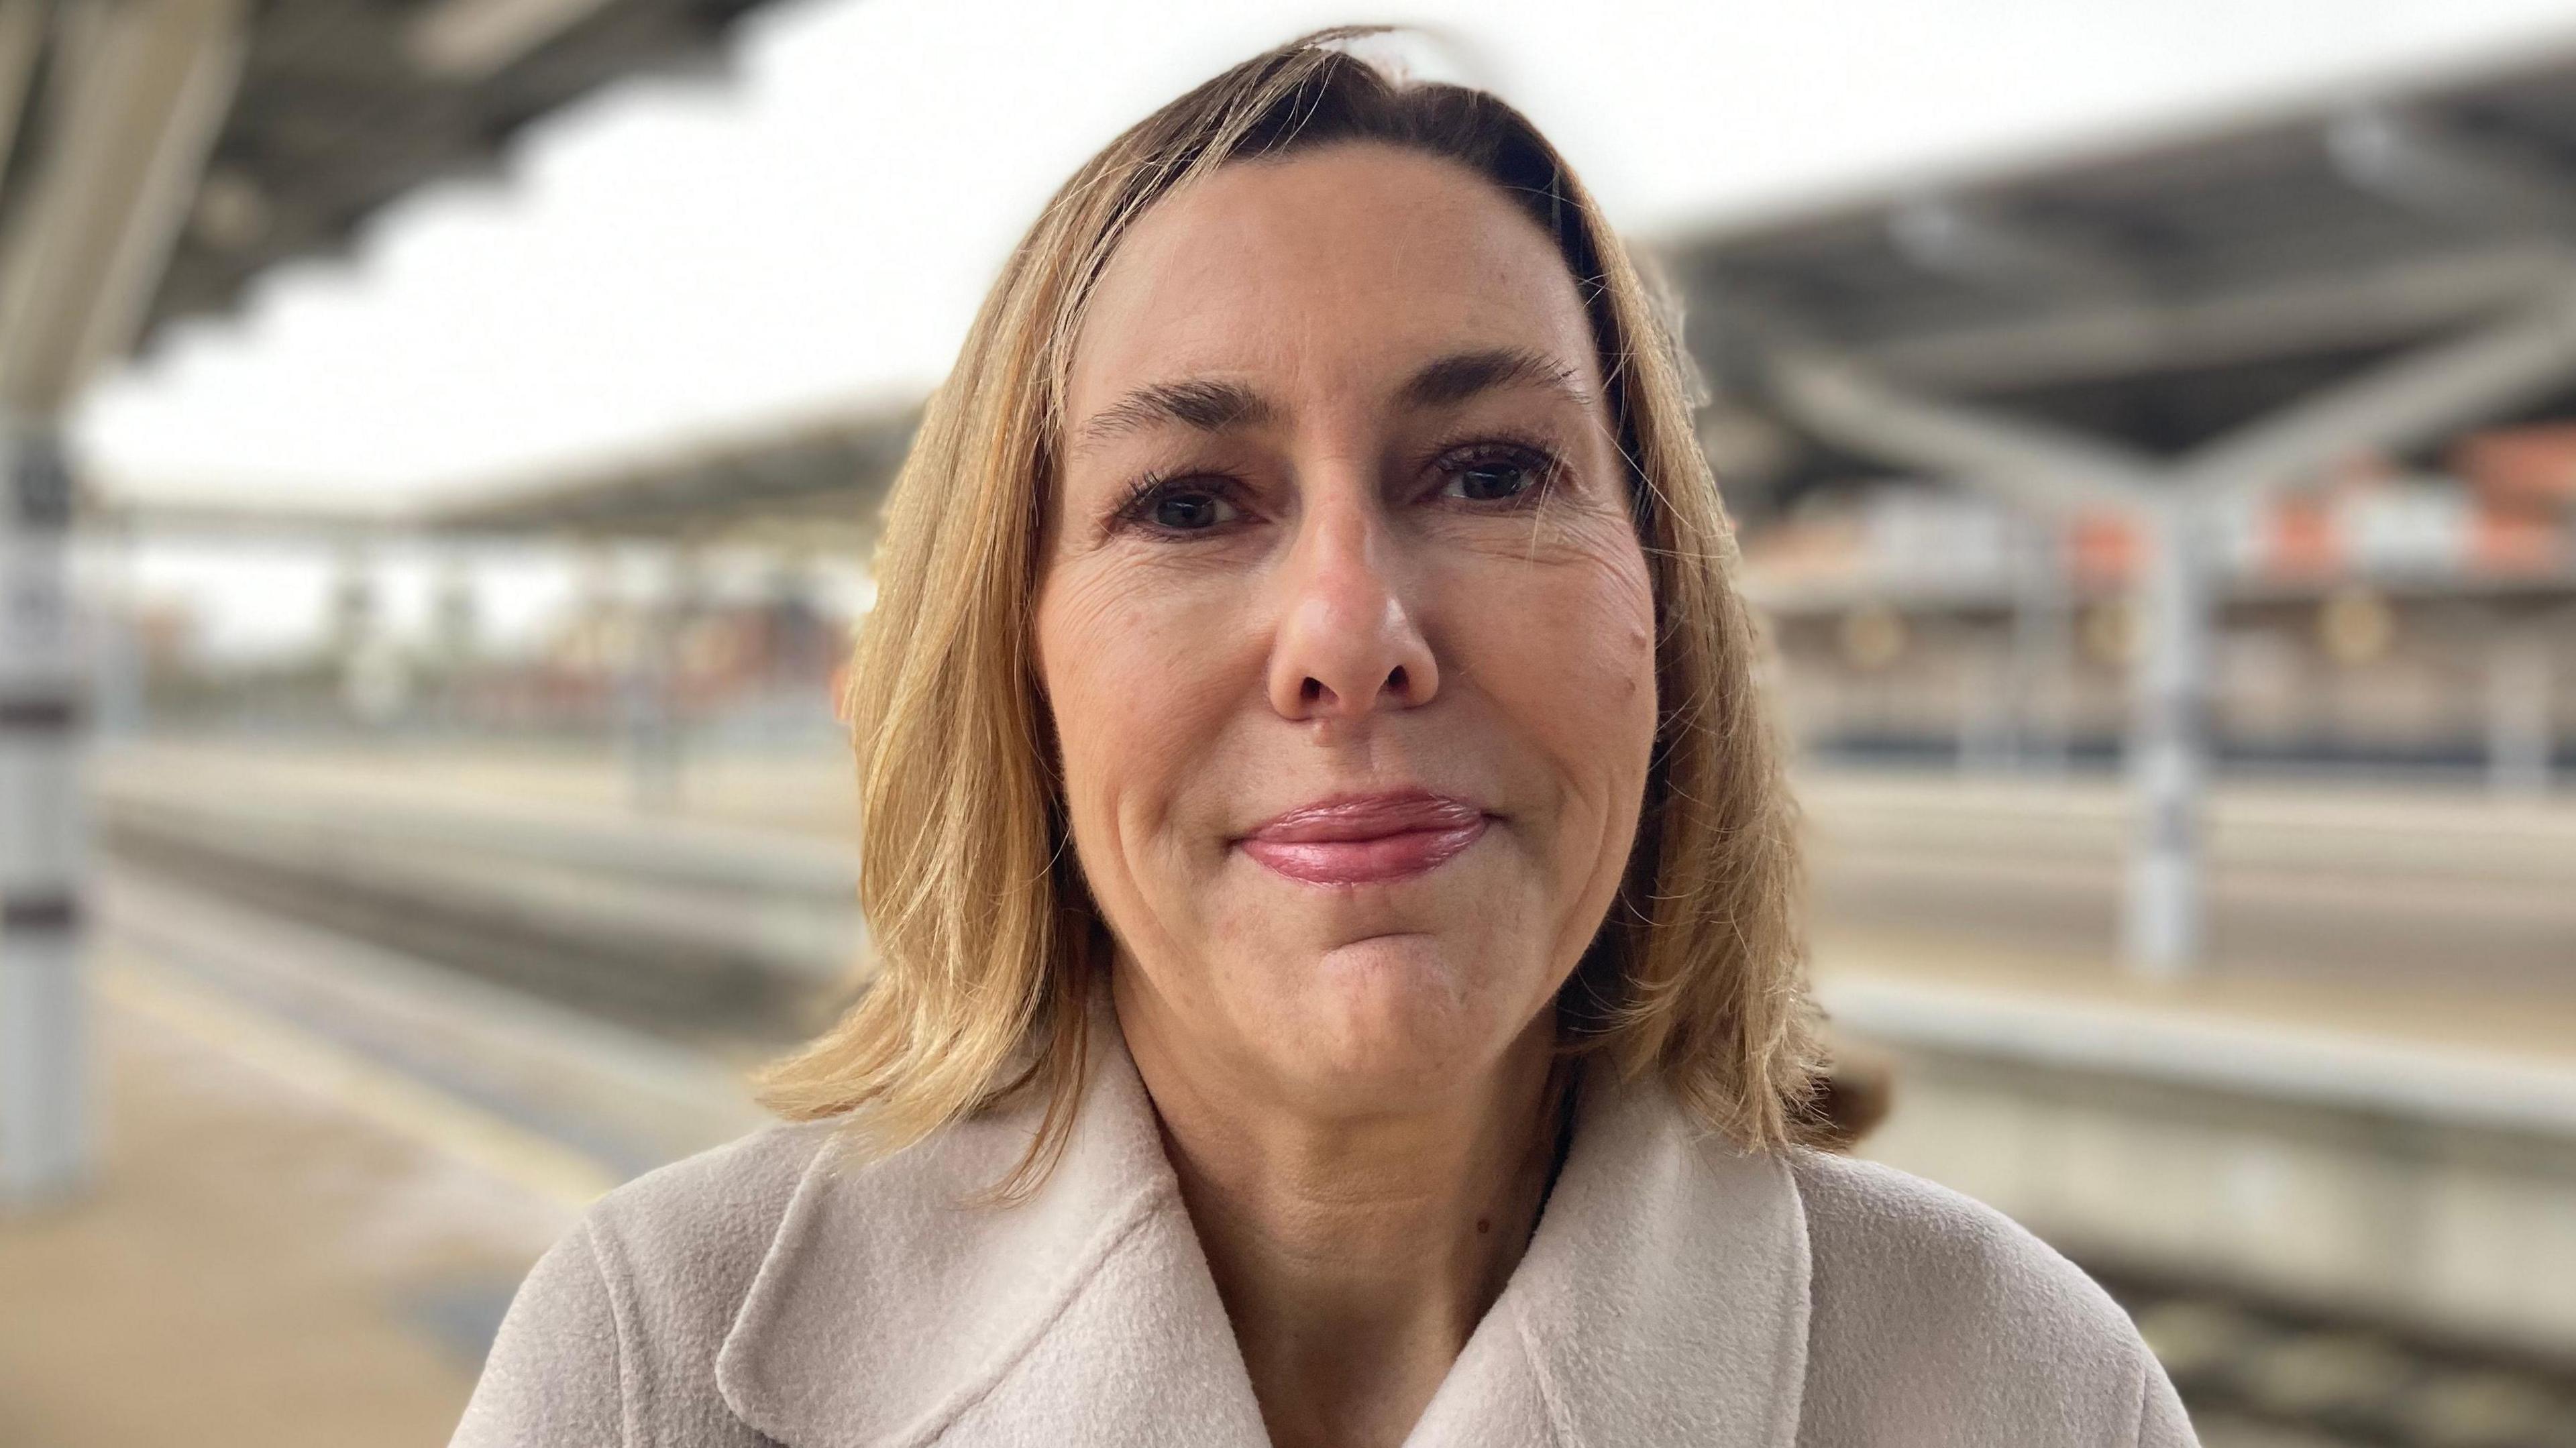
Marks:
<point>1376,861</point>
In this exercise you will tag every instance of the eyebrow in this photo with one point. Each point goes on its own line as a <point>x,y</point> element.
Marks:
<point>1205,405</point>
<point>1454,379</point>
<point>1211,405</point>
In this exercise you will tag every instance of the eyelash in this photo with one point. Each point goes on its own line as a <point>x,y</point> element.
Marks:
<point>1136,508</point>
<point>1545,467</point>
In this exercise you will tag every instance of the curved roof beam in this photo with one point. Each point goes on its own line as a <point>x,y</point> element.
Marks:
<point>2028,463</point>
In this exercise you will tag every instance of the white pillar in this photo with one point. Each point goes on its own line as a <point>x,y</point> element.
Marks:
<point>45,1136</point>
<point>2167,754</point>
<point>456,610</point>
<point>2043,645</point>
<point>648,680</point>
<point>1986,700</point>
<point>2520,733</point>
<point>456,634</point>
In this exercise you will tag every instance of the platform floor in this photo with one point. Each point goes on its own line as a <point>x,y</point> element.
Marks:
<point>281,1248</point>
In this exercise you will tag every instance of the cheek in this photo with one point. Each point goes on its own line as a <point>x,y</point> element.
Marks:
<point>1567,650</point>
<point>1136,694</point>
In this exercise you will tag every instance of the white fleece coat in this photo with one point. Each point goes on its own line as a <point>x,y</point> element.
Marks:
<point>1677,1291</point>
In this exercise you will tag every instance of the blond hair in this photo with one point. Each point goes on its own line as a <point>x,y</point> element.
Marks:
<point>985,939</point>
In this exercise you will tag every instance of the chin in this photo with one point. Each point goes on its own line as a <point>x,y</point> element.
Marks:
<point>1395,1016</point>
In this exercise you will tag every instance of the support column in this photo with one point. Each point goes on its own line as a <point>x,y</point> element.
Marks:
<point>648,682</point>
<point>2401,403</point>
<point>2520,736</point>
<point>2043,643</point>
<point>1986,741</point>
<point>456,635</point>
<point>374,680</point>
<point>2168,744</point>
<point>45,1135</point>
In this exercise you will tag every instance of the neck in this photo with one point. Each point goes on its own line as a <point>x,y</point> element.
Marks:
<point>1355,1253</point>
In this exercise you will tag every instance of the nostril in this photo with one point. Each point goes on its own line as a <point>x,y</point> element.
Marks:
<point>1312,690</point>
<point>1395,681</point>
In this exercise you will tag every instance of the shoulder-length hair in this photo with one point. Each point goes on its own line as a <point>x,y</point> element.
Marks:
<point>986,942</point>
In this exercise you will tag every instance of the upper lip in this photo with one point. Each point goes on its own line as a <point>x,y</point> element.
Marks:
<point>1345,817</point>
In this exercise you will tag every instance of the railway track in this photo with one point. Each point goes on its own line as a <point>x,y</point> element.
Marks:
<point>2262,1375</point>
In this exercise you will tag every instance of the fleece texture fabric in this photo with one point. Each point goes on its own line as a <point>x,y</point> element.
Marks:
<point>1678,1291</point>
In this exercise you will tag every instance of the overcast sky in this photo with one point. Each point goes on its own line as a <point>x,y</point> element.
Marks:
<point>671,259</point>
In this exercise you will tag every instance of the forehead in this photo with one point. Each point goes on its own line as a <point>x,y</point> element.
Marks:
<point>1339,268</point>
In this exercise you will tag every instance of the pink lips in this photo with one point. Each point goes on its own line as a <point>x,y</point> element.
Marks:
<point>1366,839</point>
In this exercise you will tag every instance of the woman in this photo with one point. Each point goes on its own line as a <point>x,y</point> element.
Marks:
<point>1332,888</point>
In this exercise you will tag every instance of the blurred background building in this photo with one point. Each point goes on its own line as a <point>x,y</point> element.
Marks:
<point>444,440</point>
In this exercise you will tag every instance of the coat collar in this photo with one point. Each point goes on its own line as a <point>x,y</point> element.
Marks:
<point>1663,1298</point>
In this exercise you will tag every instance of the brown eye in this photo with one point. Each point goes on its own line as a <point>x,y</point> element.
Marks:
<point>1189,512</point>
<point>1495,478</point>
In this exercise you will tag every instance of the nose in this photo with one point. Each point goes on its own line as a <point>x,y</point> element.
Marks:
<point>1348,642</point>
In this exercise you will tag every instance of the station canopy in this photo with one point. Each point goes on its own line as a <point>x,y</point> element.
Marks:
<point>156,155</point>
<point>2159,298</point>
<point>815,483</point>
<point>343,107</point>
<point>2137,304</point>
<point>2379,271</point>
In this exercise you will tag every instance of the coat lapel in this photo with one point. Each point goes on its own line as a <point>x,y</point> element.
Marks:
<point>893,1310</point>
<point>1663,1299</point>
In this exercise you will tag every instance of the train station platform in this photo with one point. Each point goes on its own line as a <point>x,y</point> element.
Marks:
<point>284,1245</point>
<point>341,1118</point>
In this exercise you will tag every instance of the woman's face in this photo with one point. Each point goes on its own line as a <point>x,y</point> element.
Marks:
<point>1347,633</point>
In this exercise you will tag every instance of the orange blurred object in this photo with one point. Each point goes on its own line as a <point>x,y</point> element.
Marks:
<point>2516,542</point>
<point>2521,469</point>
<point>2302,540</point>
<point>2103,548</point>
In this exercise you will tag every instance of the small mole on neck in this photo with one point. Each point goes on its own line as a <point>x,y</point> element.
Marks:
<point>1484,1224</point>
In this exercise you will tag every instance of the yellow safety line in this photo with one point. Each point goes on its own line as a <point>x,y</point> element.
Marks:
<point>363,1088</point>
